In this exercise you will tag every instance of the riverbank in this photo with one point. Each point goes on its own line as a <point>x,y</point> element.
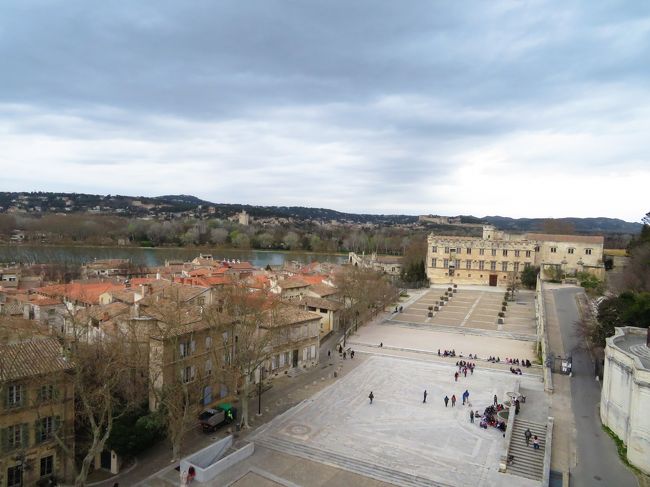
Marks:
<point>154,256</point>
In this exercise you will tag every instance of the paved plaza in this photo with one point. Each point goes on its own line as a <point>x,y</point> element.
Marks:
<point>398,438</point>
<point>429,341</point>
<point>472,309</point>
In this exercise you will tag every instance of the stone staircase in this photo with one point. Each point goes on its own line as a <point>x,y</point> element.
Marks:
<point>361,467</point>
<point>527,462</point>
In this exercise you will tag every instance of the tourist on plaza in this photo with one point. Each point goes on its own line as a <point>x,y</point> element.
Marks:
<point>381,344</point>
<point>496,400</point>
<point>465,396</point>
<point>471,416</point>
<point>527,435</point>
<point>446,401</point>
<point>425,396</point>
<point>535,442</point>
<point>329,354</point>
<point>456,376</point>
<point>371,396</point>
<point>453,400</point>
<point>351,353</point>
<point>344,355</point>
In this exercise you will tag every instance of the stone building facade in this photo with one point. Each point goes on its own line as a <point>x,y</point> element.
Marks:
<point>625,397</point>
<point>37,407</point>
<point>497,257</point>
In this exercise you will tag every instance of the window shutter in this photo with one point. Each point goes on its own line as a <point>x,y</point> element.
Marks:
<point>181,349</point>
<point>38,435</point>
<point>192,346</point>
<point>23,396</point>
<point>4,447</point>
<point>24,432</point>
<point>193,372</point>
<point>56,424</point>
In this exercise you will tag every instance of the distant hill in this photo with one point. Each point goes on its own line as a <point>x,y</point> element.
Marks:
<point>188,205</point>
<point>581,225</point>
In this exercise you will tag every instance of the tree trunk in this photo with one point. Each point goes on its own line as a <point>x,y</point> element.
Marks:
<point>243,401</point>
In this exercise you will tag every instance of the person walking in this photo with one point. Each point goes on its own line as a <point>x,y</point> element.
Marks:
<point>371,396</point>
<point>456,376</point>
<point>425,396</point>
<point>527,435</point>
<point>496,400</point>
<point>344,354</point>
<point>471,416</point>
<point>351,353</point>
<point>446,401</point>
<point>465,396</point>
<point>453,400</point>
<point>329,354</point>
<point>535,442</point>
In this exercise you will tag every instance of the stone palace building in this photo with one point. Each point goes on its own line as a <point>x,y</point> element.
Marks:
<point>497,257</point>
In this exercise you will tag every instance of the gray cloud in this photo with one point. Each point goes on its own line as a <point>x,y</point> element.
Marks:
<point>360,106</point>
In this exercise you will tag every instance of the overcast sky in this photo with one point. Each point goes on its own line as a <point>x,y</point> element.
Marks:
<point>521,108</point>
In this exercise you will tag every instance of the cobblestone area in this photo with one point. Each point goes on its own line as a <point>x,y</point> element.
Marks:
<point>398,431</point>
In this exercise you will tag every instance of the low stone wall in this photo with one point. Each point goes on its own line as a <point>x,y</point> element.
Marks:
<point>503,464</point>
<point>546,473</point>
<point>205,461</point>
<point>542,336</point>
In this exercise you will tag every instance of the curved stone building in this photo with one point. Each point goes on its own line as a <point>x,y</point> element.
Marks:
<point>625,398</point>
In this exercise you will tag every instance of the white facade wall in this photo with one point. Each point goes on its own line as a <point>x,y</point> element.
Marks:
<point>625,398</point>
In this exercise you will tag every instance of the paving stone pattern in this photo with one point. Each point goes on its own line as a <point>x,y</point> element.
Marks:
<point>398,439</point>
<point>472,309</point>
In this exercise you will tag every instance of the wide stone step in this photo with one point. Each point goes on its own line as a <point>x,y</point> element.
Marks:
<point>527,462</point>
<point>361,467</point>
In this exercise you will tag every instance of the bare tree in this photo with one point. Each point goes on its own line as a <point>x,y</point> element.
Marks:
<point>240,316</point>
<point>174,381</point>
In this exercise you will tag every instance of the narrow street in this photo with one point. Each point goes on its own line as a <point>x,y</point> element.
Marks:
<point>597,460</point>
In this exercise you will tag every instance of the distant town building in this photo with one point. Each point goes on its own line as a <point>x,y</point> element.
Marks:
<point>244,218</point>
<point>388,264</point>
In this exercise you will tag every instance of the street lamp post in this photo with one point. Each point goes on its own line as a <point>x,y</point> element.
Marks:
<point>259,392</point>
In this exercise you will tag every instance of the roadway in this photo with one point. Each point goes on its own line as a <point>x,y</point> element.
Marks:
<point>597,459</point>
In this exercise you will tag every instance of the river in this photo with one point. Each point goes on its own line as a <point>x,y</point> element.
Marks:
<point>152,256</point>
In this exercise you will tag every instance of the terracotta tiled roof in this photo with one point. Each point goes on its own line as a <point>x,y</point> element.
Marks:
<point>36,299</point>
<point>323,290</point>
<point>292,283</point>
<point>285,315</point>
<point>79,291</point>
<point>313,279</point>
<point>592,239</point>
<point>321,303</point>
<point>31,358</point>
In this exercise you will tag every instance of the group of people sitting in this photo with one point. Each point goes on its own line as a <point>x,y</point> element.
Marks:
<point>516,361</point>
<point>494,359</point>
<point>490,418</point>
<point>516,371</point>
<point>447,353</point>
